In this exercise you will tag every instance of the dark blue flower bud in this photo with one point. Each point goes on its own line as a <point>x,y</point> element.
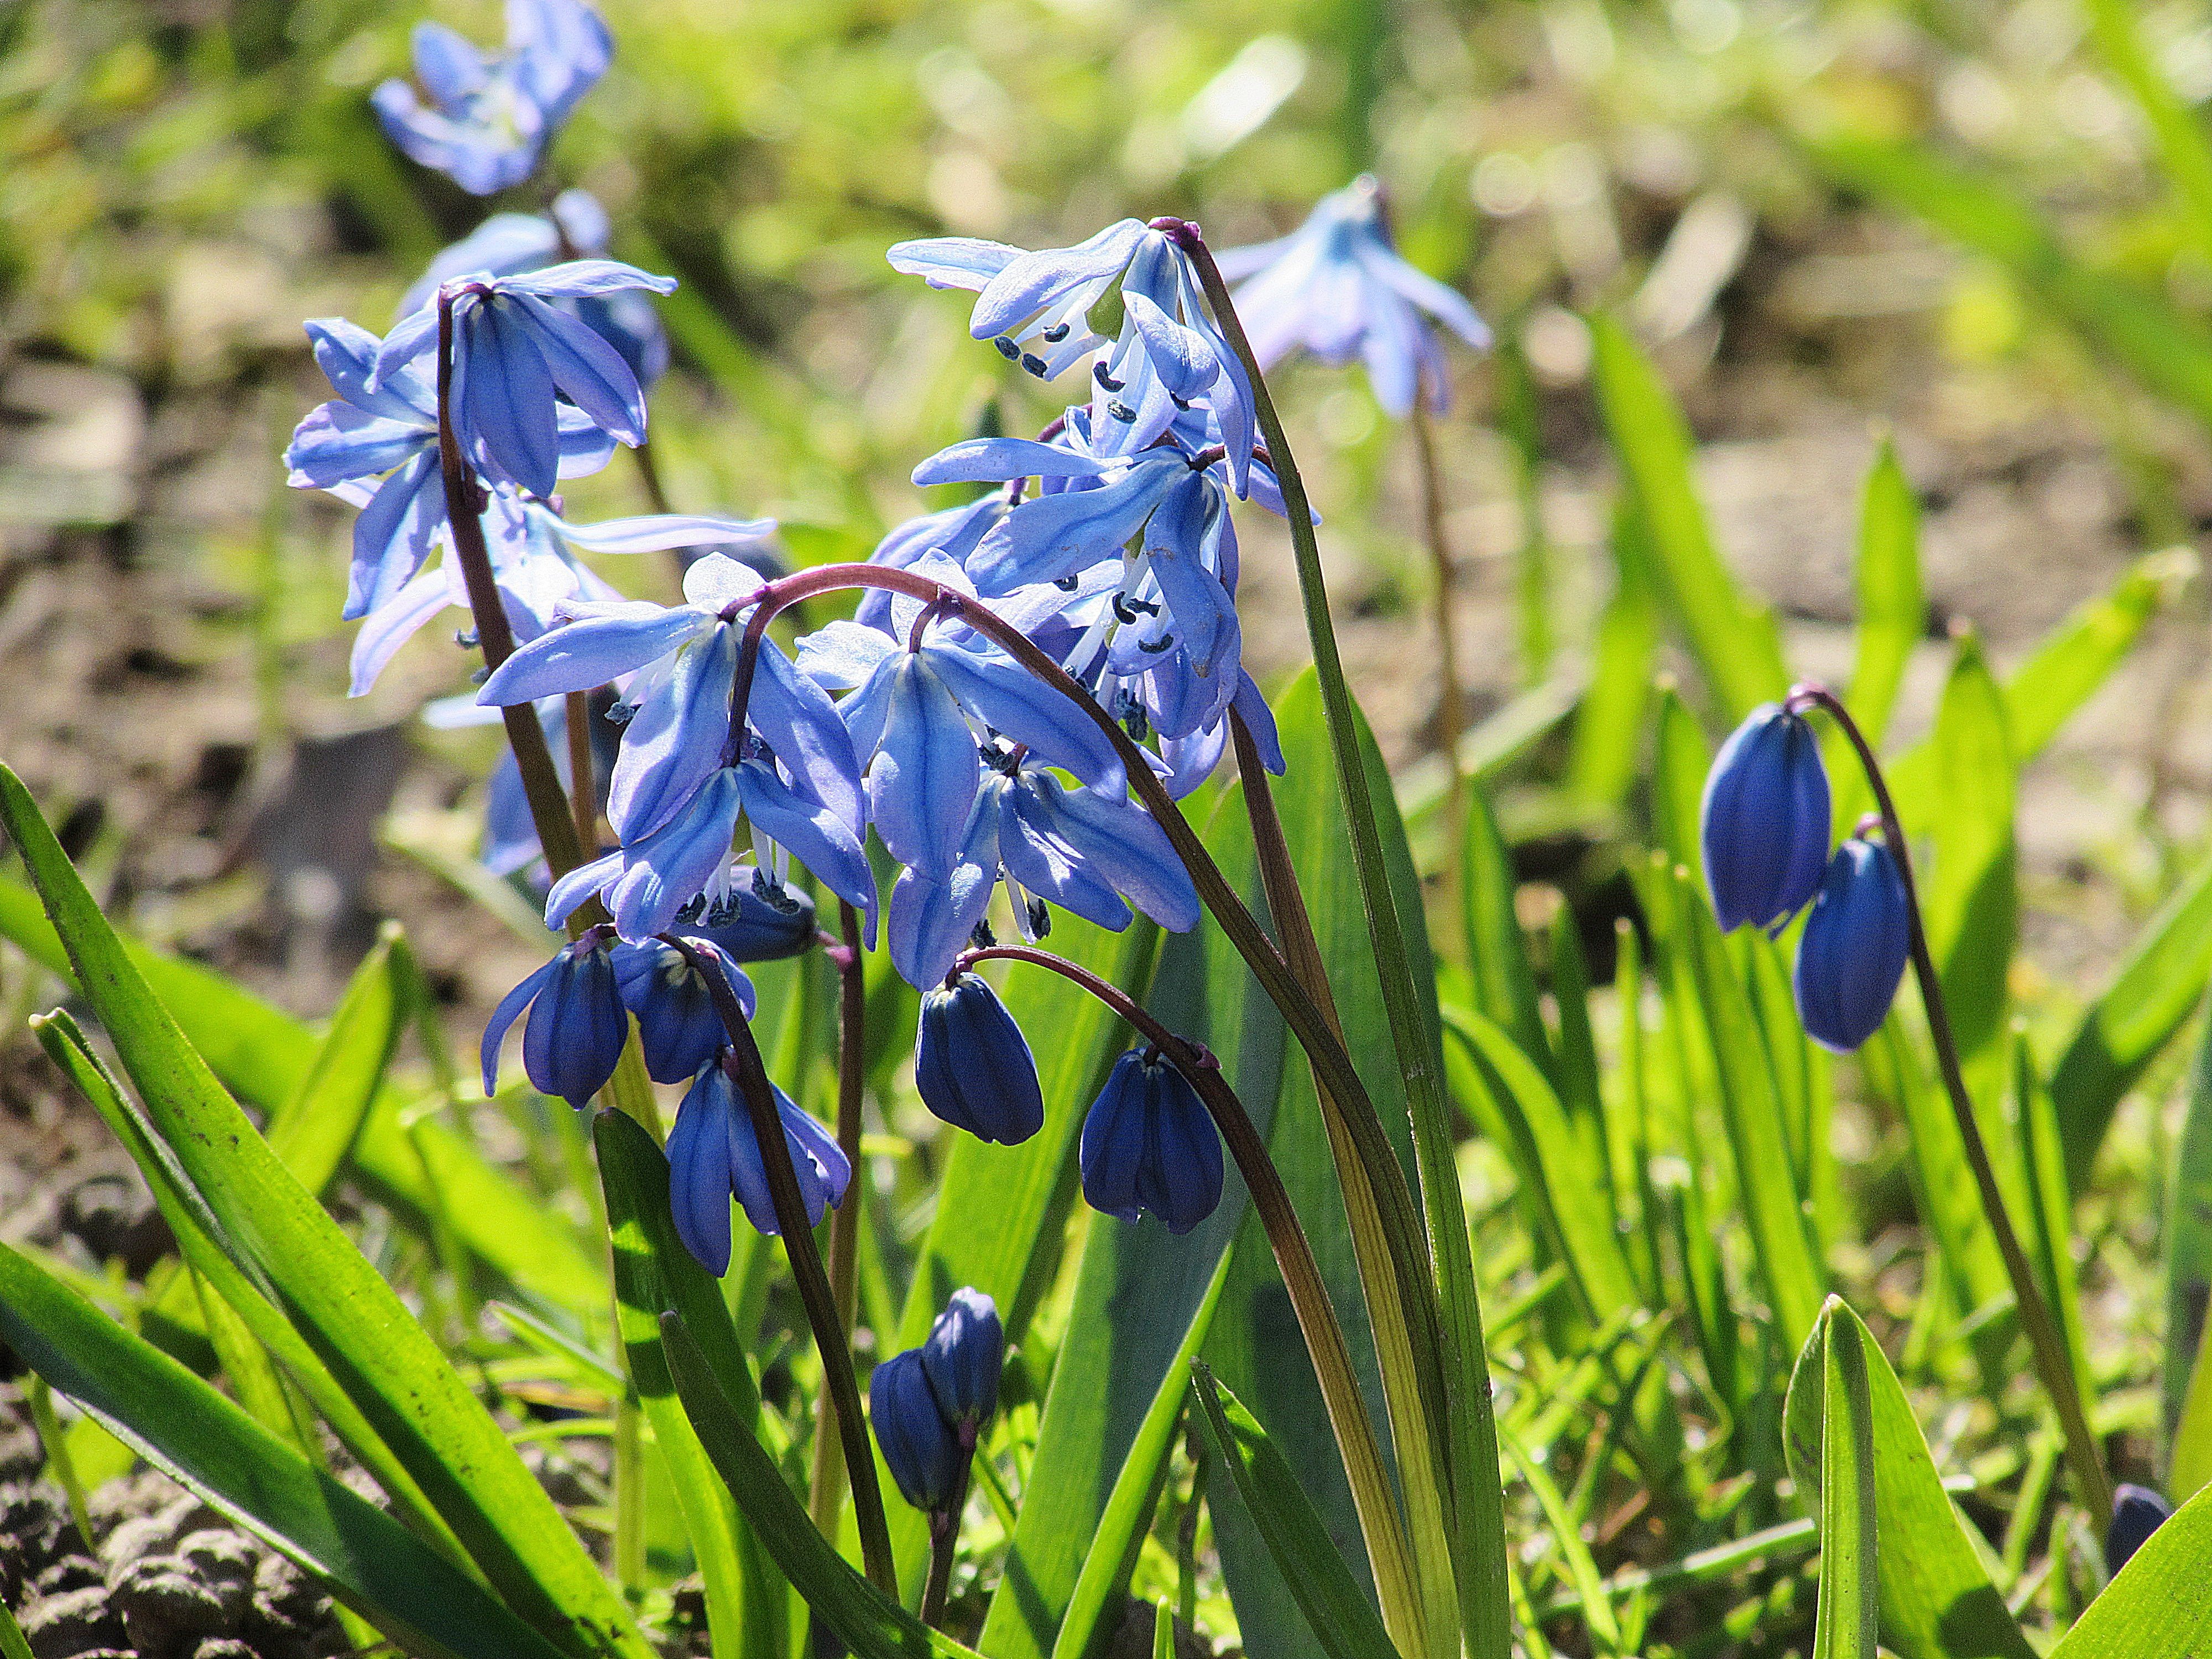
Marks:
<point>758,921</point>
<point>578,1025</point>
<point>1854,947</point>
<point>1149,1145</point>
<point>962,1357</point>
<point>973,1066</point>
<point>2137,1512</point>
<point>713,1156</point>
<point>919,1447</point>
<point>1763,822</point>
<point>678,1024</point>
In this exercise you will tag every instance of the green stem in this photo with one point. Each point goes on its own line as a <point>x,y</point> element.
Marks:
<point>944,1548</point>
<point>2052,1362</point>
<point>826,1496</point>
<point>1451,699</point>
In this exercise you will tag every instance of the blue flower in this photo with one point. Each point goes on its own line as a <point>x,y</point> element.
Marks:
<point>516,354</point>
<point>756,919</point>
<point>1764,820</point>
<point>678,1025</point>
<point>489,118</point>
<point>953,532</point>
<point>578,1025</point>
<point>375,447</point>
<point>973,1067</point>
<point>510,244</point>
<point>2137,1512</point>
<point>649,882</point>
<point>1170,356</point>
<point>714,1155</point>
<point>1852,953</point>
<point>962,1357</point>
<point>684,660</point>
<point>919,1448</point>
<point>1148,1143</point>
<point>1337,287</point>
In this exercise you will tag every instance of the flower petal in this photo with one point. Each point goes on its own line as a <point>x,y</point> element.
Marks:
<point>1008,697</point>
<point>951,261</point>
<point>580,655</point>
<point>585,366</point>
<point>1027,284</point>
<point>994,460</point>
<point>922,783</point>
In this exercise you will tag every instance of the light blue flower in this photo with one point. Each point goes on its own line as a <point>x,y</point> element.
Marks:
<point>1337,287</point>
<point>488,118</point>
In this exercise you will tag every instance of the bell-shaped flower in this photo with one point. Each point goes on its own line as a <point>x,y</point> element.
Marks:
<point>1854,947</point>
<point>1338,287</point>
<point>577,1023</point>
<point>921,1450</point>
<point>517,354</point>
<point>1764,819</point>
<point>510,244</point>
<point>973,1067</point>
<point>1149,1143</point>
<point>684,660</point>
<point>488,118</point>
<point>963,1357</point>
<point>2137,1512</point>
<point>758,918</point>
<point>713,1156</point>
<point>953,531</point>
<point>375,447</point>
<point>648,882</point>
<point>680,1025</point>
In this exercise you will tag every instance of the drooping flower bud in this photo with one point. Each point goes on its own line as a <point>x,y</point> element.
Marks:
<point>919,1447</point>
<point>1149,1145</point>
<point>757,919</point>
<point>678,1024</point>
<point>2137,1512</point>
<point>577,1023</point>
<point>963,1358</point>
<point>1764,820</point>
<point>1853,951</point>
<point>714,1155</point>
<point>972,1065</point>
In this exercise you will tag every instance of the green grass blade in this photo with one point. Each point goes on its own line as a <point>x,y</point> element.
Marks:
<point>2187,157</point>
<point>184,1427</point>
<point>1609,722</point>
<point>262,1055</point>
<point>2048,1235</point>
<point>1936,1599</point>
<point>1845,1621</point>
<point>357,1326</point>
<point>2160,1606</point>
<point>1497,951</point>
<point>1733,638</point>
<point>1893,610</point>
<point>868,1621</point>
<point>1678,782</point>
<point>1343,1620</point>
<point>316,1128</point>
<point>653,1273</point>
<point>2149,1001</point>
<point>1591,1600</point>
<point>2185,1377</point>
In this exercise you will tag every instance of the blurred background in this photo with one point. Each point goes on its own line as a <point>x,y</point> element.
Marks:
<point>1981,230</point>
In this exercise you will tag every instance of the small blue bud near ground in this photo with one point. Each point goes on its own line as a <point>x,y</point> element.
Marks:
<point>1853,951</point>
<point>919,1447</point>
<point>963,1357</point>
<point>577,1026</point>
<point>972,1065</point>
<point>2137,1512</point>
<point>1763,822</point>
<point>1149,1143</point>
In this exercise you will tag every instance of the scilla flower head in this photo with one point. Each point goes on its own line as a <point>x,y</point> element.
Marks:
<point>713,1156</point>
<point>972,1066</point>
<point>1764,820</point>
<point>577,1026</point>
<point>1149,1143</point>
<point>1853,951</point>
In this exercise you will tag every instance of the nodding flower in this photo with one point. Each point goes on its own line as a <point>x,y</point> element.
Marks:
<point>1149,1143</point>
<point>2137,1512</point>
<point>963,1357</point>
<point>973,1066</point>
<point>679,1024</point>
<point>928,1405</point>
<point>1764,820</point>
<point>1853,951</point>
<point>577,1023</point>
<point>713,1156</point>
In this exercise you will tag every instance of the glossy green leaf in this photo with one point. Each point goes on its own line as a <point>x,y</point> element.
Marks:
<point>1845,1621</point>
<point>1592,1600</point>
<point>1682,760</point>
<point>317,1126</point>
<point>1609,721</point>
<point>280,1236</point>
<point>2149,1001</point>
<point>1497,949</point>
<point>1936,1599</point>
<point>2185,1377</point>
<point>262,1055</point>
<point>1733,637</point>
<point>2160,1606</point>
<point>1893,611</point>
<point>2182,147</point>
<point>868,1621</point>
<point>1337,1610</point>
<point>184,1427</point>
<point>2047,1230</point>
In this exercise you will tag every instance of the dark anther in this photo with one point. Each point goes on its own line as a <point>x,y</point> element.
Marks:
<point>1153,648</point>
<point>1129,610</point>
<point>1068,584</point>
<point>1038,366</point>
<point>1098,373</point>
<point>1180,402</point>
<point>1136,722</point>
<point>1040,919</point>
<point>1007,349</point>
<point>466,639</point>
<point>1120,411</point>
<point>981,937</point>
<point>480,676</point>
<point>1056,333</point>
<point>619,714</point>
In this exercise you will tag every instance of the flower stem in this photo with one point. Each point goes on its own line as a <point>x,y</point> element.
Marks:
<point>944,1547</point>
<point>1387,1546</point>
<point>749,1073</point>
<point>826,1496</point>
<point>583,787</point>
<point>2052,1362</point>
<point>1451,699</point>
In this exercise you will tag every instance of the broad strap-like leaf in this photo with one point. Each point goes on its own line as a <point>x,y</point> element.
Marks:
<point>185,1428</point>
<point>315,1129</point>
<point>1846,1619</point>
<point>2185,1375</point>
<point>1343,1620</point>
<point>1893,609</point>
<point>2160,1606</point>
<point>281,1238</point>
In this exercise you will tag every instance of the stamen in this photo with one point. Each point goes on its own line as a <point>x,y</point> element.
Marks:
<point>1098,373</point>
<point>1036,365</point>
<point>1056,333</point>
<point>1122,411</point>
<point>1153,648</point>
<point>1007,349</point>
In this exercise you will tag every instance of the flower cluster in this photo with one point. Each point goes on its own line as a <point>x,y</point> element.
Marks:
<point>1764,830</point>
<point>928,1405</point>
